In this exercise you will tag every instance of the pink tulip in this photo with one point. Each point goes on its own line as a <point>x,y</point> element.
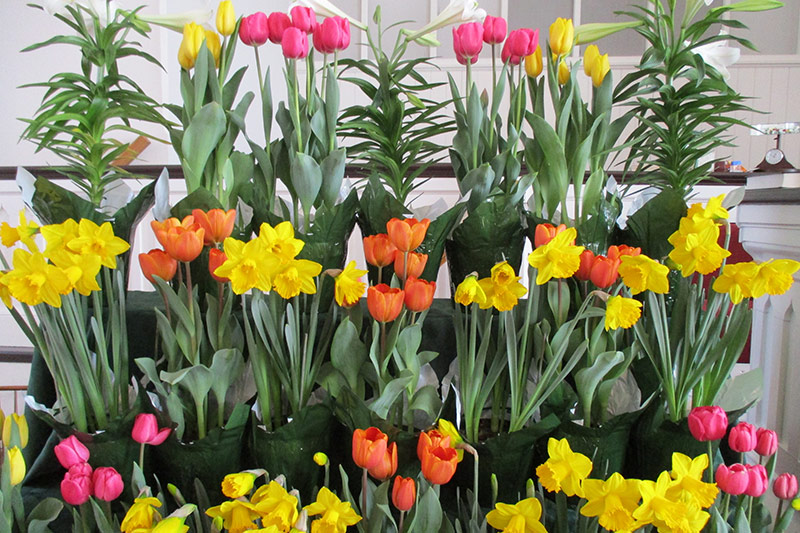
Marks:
<point>494,29</point>
<point>80,470</point>
<point>76,490</point>
<point>468,41</point>
<point>743,437</point>
<point>277,23</point>
<point>523,42</point>
<point>327,36</point>
<point>507,57</point>
<point>759,481</point>
<point>785,487</point>
<point>709,422</point>
<point>145,430</point>
<point>733,480</point>
<point>253,30</point>
<point>344,33</point>
<point>106,484</point>
<point>304,19</point>
<point>294,44</point>
<point>766,442</point>
<point>70,452</point>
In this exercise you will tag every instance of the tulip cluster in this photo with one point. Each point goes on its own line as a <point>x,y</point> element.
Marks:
<point>595,66</point>
<point>14,439</point>
<point>82,482</point>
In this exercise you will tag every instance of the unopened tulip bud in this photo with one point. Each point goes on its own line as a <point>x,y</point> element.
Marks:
<point>226,18</point>
<point>785,486</point>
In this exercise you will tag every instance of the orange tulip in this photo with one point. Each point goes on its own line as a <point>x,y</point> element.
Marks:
<point>157,262</point>
<point>604,271</point>
<point>379,250</point>
<point>431,439</point>
<point>615,252</point>
<point>218,224</point>
<point>419,294</point>
<point>407,234</point>
<point>215,259</point>
<point>369,447</point>
<point>439,464</point>
<point>184,244</point>
<point>387,466</point>
<point>161,228</point>
<point>384,303</point>
<point>585,270</point>
<point>416,264</point>
<point>545,233</point>
<point>404,493</point>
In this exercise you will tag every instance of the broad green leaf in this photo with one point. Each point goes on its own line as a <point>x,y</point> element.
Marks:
<point>306,178</point>
<point>199,140</point>
<point>391,392</point>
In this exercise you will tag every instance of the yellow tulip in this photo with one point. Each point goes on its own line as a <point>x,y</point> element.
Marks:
<point>214,45</point>
<point>22,428</point>
<point>193,36</point>
<point>533,63</point>
<point>600,68</point>
<point>589,56</point>
<point>562,34</point>
<point>563,73</point>
<point>16,464</point>
<point>226,18</point>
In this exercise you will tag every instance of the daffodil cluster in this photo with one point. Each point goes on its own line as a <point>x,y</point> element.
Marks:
<point>71,260</point>
<point>502,290</point>
<point>143,517</point>
<point>696,246</point>
<point>269,262</point>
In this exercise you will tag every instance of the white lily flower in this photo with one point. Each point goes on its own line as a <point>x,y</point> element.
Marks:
<point>176,21</point>
<point>456,12</point>
<point>328,9</point>
<point>719,56</point>
<point>104,11</point>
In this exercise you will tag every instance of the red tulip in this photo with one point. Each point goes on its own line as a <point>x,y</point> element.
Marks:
<point>494,29</point>
<point>416,264</point>
<point>106,484</point>
<point>759,480</point>
<point>294,44</point>
<point>587,259</point>
<point>304,19</point>
<point>708,423</point>
<point>159,263</point>
<point>419,294</point>
<point>76,490</point>
<point>468,41</point>
<point>277,24</point>
<point>71,451</point>
<point>766,442</point>
<point>439,464</point>
<point>215,259</point>
<point>145,430</point>
<point>785,487</point>
<point>407,234</point>
<point>545,233</point>
<point>369,447</point>
<point>216,223</point>
<point>732,480</point>
<point>743,437</point>
<point>379,250</point>
<point>604,271</point>
<point>404,493</point>
<point>253,30</point>
<point>384,303</point>
<point>387,465</point>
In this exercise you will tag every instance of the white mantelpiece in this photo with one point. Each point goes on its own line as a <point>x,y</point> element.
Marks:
<point>769,223</point>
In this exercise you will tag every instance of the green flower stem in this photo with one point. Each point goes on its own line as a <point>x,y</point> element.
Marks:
<point>141,456</point>
<point>710,463</point>
<point>402,517</point>
<point>561,513</point>
<point>364,485</point>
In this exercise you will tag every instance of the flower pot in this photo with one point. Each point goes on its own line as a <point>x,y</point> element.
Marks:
<point>290,449</point>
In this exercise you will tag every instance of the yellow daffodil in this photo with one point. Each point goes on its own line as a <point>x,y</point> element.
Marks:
<point>695,246</point>
<point>533,63</point>
<point>297,276</point>
<point>23,233</point>
<point>564,470</point>
<point>98,240</point>
<point>57,236</point>
<point>522,517</point>
<point>248,265</point>
<point>280,240</point>
<point>612,501</point>
<point>688,476</point>
<point>16,465</point>
<point>237,516</point>
<point>348,287</point>
<point>226,18</point>
<point>13,419</point>
<point>776,275</point>
<point>469,291</point>
<point>447,429</point>
<point>5,292</point>
<point>503,289</point>
<point>740,280</point>
<point>622,312</point>
<point>559,258</point>
<point>640,273</point>
<point>336,514</point>
<point>276,506</point>
<point>33,280</point>
<point>141,515</point>
<point>173,524</point>
<point>562,34</point>
<point>658,508</point>
<point>81,270</point>
<point>238,485</point>
<point>713,210</point>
